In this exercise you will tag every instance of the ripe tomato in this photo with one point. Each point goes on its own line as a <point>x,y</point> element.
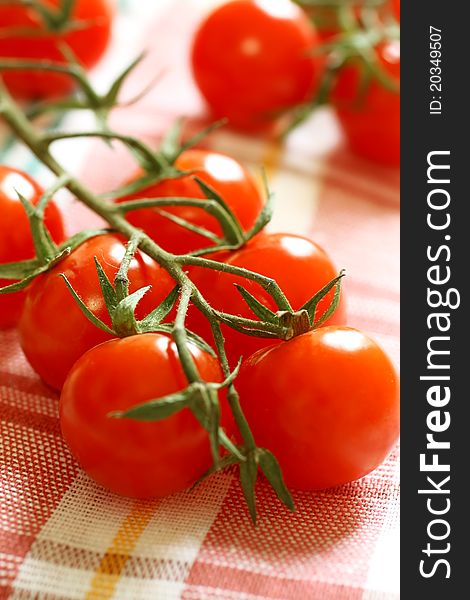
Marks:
<point>325,403</point>
<point>16,242</point>
<point>396,8</point>
<point>224,174</point>
<point>299,266</point>
<point>371,120</point>
<point>53,331</point>
<point>23,35</point>
<point>138,459</point>
<point>252,58</point>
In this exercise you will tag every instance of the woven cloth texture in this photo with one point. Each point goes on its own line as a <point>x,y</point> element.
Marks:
<point>62,536</point>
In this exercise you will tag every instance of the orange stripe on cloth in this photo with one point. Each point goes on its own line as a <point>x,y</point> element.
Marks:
<point>112,564</point>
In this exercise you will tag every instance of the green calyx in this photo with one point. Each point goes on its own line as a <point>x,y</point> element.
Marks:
<point>286,324</point>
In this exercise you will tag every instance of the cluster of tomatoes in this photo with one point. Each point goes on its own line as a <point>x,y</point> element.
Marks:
<point>274,58</point>
<point>325,402</point>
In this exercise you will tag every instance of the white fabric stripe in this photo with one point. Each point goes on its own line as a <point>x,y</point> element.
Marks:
<point>130,588</point>
<point>39,577</point>
<point>180,523</point>
<point>89,518</point>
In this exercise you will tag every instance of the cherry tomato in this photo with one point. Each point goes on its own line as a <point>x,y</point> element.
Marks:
<point>23,35</point>
<point>252,58</point>
<point>224,174</point>
<point>371,119</point>
<point>138,459</point>
<point>299,266</point>
<point>325,403</point>
<point>16,242</point>
<point>53,331</point>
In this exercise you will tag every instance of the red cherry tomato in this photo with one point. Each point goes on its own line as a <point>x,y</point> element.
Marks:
<point>224,174</point>
<point>396,8</point>
<point>53,331</point>
<point>299,266</point>
<point>16,242</point>
<point>371,119</point>
<point>252,58</point>
<point>325,403</point>
<point>138,459</point>
<point>23,35</point>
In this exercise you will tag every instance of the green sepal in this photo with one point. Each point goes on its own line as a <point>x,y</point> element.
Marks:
<point>247,330</point>
<point>19,285</point>
<point>43,244</point>
<point>259,309</point>
<point>311,305</point>
<point>225,462</point>
<point>171,142</point>
<point>18,270</point>
<point>271,469</point>
<point>190,226</point>
<point>333,305</point>
<point>85,310</point>
<point>107,289</point>
<point>55,20</point>
<point>112,95</point>
<point>266,214</point>
<point>155,410</point>
<point>82,236</point>
<point>230,379</point>
<point>143,182</point>
<point>123,316</point>
<point>154,318</point>
<point>197,138</point>
<point>248,476</point>
<point>233,234</point>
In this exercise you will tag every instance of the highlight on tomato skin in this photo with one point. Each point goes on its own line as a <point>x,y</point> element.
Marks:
<point>252,58</point>
<point>128,457</point>
<point>16,241</point>
<point>224,174</point>
<point>299,266</point>
<point>88,42</point>
<point>326,403</point>
<point>52,344</point>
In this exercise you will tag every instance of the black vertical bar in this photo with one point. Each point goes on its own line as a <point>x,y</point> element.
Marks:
<point>426,129</point>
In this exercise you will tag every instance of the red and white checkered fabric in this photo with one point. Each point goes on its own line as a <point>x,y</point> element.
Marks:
<point>61,536</point>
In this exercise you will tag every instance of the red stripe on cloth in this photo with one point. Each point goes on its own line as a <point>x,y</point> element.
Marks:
<point>262,586</point>
<point>26,418</point>
<point>36,471</point>
<point>29,385</point>
<point>14,543</point>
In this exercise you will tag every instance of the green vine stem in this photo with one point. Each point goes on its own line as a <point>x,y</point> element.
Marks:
<point>39,143</point>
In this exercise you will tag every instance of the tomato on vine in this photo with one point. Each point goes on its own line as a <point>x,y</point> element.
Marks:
<point>24,34</point>
<point>52,344</point>
<point>370,117</point>
<point>297,264</point>
<point>222,173</point>
<point>253,58</point>
<point>325,403</point>
<point>16,242</point>
<point>137,459</point>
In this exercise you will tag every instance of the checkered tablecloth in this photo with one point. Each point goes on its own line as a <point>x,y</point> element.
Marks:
<point>63,537</point>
